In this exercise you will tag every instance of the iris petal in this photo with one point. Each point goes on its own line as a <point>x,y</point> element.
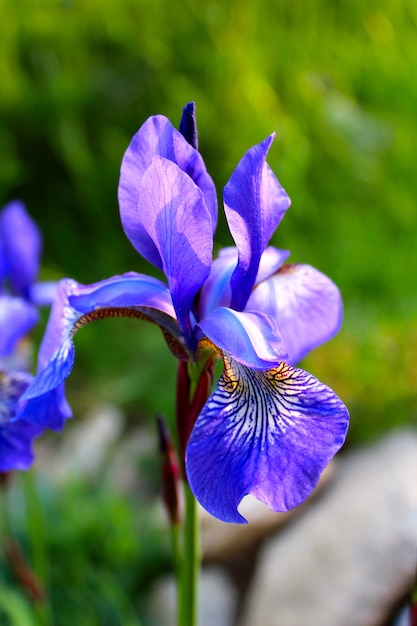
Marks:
<point>15,436</point>
<point>21,244</point>
<point>266,433</point>
<point>131,289</point>
<point>43,294</point>
<point>12,385</point>
<point>251,338</point>
<point>255,203</point>
<point>157,136</point>
<point>306,305</point>
<point>271,261</point>
<point>16,445</point>
<point>44,403</point>
<point>216,290</point>
<point>17,318</point>
<point>175,215</point>
<point>131,295</point>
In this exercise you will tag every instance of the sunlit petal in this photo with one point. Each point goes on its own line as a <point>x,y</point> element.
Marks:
<point>251,338</point>
<point>271,261</point>
<point>158,137</point>
<point>306,305</point>
<point>265,433</point>
<point>254,203</point>
<point>175,215</point>
<point>130,289</point>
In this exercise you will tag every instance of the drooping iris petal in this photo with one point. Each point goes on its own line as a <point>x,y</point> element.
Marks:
<point>176,218</point>
<point>266,433</point>
<point>131,295</point>
<point>17,318</point>
<point>250,338</point>
<point>254,203</point>
<point>43,402</point>
<point>157,137</point>
<point>131,289</point>
<point>306,305</point>
<point>21,244</point>
<point>15,436</point>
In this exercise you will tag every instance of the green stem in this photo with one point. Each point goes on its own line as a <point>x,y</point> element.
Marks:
<point>38,544</point>
<point>176,550</point>
<point>190,563</point>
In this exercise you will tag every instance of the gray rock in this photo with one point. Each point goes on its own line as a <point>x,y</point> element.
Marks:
<point>351,557</point>
<point>223,542</point>
<point>83,449</point>
<point>217,598</point>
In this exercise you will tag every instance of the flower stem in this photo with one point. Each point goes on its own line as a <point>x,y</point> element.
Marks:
<point>190,563</point>
<point>176,550</point>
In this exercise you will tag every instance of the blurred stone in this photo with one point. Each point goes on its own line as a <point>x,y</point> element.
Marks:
<point>217,599</point>
<point>353,555</point>
<point>222,541</point>
<point>85,445</point>
<point>124,467</point>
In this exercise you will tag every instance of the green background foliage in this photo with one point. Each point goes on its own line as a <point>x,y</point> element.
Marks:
<point>335,81</point>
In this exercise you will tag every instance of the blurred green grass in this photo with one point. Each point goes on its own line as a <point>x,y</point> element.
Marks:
<point>104,553</point>
<point>336,81</point>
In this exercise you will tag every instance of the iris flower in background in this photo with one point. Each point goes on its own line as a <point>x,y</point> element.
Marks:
<point>268,429</point>
<point>20,295</point>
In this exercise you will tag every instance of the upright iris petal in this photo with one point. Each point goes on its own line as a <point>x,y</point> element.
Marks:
<point>157,137</point>
<point>267,433</point>
<point>178,222</point>
<point>254,203</point>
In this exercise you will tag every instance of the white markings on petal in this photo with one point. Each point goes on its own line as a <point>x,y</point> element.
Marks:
<point>266,433</point>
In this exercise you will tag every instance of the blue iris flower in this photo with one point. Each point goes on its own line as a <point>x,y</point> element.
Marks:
<point>20,296</point>
<point>268,429</point>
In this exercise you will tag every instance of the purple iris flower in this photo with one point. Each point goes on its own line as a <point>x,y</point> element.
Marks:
<point>20,295</point>
<point>268,429</point>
